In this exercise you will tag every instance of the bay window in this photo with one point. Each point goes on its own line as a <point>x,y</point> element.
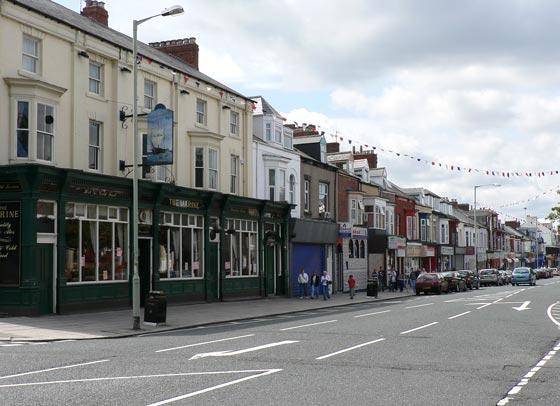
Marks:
<point>212,168</point>
<point>45,132</point>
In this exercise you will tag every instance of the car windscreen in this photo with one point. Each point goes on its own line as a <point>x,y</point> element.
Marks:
<point>487,272</point>
<point>520,271</point>
<point>427,277</point>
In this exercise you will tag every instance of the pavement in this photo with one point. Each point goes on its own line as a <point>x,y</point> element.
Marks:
<point>118,323</point>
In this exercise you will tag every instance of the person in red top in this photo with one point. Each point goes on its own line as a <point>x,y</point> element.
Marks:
<point>352,286</point>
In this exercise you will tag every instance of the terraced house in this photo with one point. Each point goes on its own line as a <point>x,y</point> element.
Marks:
<point>66,94</point>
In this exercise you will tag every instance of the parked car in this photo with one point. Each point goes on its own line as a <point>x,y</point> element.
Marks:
<point>504,278</point>
<point>542,273</point>
<point>555,272</point>
<point>489,277</point>
<point>471,278</point>
<point>456,281</point>
<point>431,282</point>
<point>523,275</point>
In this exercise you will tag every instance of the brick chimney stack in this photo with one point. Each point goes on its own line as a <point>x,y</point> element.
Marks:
<point>185,49</point>
<point>95,10</point>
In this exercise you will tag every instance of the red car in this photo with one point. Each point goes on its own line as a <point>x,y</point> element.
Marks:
<point>431,282</point>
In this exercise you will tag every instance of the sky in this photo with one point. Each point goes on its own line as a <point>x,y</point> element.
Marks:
<point>473,84</point>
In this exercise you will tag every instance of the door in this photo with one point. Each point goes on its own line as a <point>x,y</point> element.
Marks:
<point>44,266</point>
<point>310,257</point>
<point>145,267</point>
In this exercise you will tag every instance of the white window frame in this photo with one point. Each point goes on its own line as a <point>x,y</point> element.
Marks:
<point>278,133</point>
<point>150,98</point>
<point>234,170</point>
<point>201,112</point>
<point>242,228</point>
<point>234,123</point>
<point>181,222</point>
<point>306,190</point>
<point>292,185</point>
<point>268,131</point>
<point>288,138</point>
<point>51,216</point>
<point>27,129</point>
<point>271,182</point>
<point>423,230</point>
<point>281,184</point>
<point>353,210</point>
<point>46,135</point>
<point>409,227</point>
<point>324,194</point>
<point>34,58</point>
<point>96,81</point>
<point>95,148</point>
<point>213,169</point>
<point>199,168</point>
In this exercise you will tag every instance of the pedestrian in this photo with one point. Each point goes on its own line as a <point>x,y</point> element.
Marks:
<point>401,280</point>
<point>413,276</point>
<point>392,280</point>
<point>325,282</point>
<point>303,280</point>
<point>315,282</point>
<point>352,286</point>
<point>382,279</point>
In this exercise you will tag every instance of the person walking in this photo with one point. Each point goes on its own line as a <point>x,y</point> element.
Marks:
<point>382,279</point>
<point>401,281</point>
<point>325,282</point>
<point>352,286</point>
<point>392,280</point>
<point>315,282</point>
<point>413,276</point>
<point>303,280</point>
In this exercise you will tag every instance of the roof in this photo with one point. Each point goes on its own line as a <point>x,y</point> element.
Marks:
<point>73,19</point>
<point>419,190</point>
<point>264,107</point>
<point>307,139</point>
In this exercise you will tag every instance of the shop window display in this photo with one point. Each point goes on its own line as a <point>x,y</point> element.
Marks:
<point>240,249</point>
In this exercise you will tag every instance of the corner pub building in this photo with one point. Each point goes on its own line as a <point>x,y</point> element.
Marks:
<point>65,203</point>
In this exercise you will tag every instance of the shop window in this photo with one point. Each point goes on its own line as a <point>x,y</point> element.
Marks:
<point>362,249</point>
<point>240,249</point>
<point>181,246</point>
<point>96,243</point>
<point>46,217</point>
<point>356,249</point>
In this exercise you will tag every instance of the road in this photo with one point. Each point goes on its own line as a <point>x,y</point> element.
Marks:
<point>496,345</point>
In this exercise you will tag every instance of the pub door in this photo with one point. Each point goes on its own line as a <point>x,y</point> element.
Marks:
<point>44,266</point>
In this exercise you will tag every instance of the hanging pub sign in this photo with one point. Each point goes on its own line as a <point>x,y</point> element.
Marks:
<point>10,217</point>
<point>159,148</point>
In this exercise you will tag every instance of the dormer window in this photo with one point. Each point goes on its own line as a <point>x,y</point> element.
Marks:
<point>268,132</point>
<point>288,138</point>
<point>278,133</point>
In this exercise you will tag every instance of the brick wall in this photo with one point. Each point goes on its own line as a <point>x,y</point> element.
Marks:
<point>345,182</point>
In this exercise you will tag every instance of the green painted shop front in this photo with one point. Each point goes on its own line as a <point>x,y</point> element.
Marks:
<point>69,247</point>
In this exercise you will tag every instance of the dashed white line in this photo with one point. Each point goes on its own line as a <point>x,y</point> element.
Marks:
<point>458,315</point>
<point>483,306</point>
<point>422,305</point>
<point>349,349</point>
<point>371,314</point>
<point>54,369</point>
<point>206,342</point>
<point>419,328</point>
<point>308,325</point>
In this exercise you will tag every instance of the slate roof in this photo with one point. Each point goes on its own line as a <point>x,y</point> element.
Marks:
<point>69,17</point>
<point>267,109</point>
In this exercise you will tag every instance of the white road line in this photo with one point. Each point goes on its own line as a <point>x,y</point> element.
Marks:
<point>54,369</point>
<point>349,349</point>
<point>422,305</point>
<point>120,378</point>
<point>206,342</point>
<point>419,328</point>
<point>308,325</point>
<point>371,314</point>
<point>483,306</point>
<point>458,315</point>
<point>548,312</point>
<point>223,385</point>
<point>230,353</point>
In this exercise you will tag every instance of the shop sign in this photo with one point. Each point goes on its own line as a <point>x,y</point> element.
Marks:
<point>396,243</point>
<point>94,191</point>
<point>359,232</point>
<point>413,250</point>
<point>10,187</point>
<point>10,220</point>
<point>428,251</point>
<point>159,149</point>
<point>401,252</point>
<point>345,230</point>
<point>250,211</point>
<point>447,251</point>
<point>185,204</point>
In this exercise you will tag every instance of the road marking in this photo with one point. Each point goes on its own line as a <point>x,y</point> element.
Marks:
<point>206,342</point>
<point>548,312</point>
<point>525,380</point>
<point>523,306</point>
<point>476,304</point>
<point>419,328</point>
<point>120,378</point>
<point>231,353</point>
<point>483,306</point>
<point>371,314</point>
<point>349,349</point>
<point>54,369</point>
<point>308,325</point>
<point>458,315</point>
<point>223,385</point>
<point>422,305</point>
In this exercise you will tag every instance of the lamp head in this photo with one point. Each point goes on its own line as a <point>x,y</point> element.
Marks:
<point>172,11</point>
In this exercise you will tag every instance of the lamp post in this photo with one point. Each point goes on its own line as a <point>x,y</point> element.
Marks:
<point>136,149</point>
<point>476,224</point>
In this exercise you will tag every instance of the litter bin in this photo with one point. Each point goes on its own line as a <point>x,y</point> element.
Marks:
<point>372,286</point>
<point>155,310</point>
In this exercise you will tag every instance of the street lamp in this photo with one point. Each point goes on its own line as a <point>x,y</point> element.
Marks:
<point>476,224</point>
<point>171,11</point>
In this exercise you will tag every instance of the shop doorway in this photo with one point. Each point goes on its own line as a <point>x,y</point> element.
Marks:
<point>145,267</point>
<point>45,265</point>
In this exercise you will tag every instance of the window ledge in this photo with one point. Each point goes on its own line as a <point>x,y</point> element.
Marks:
<point>201,126</point>
<point>27,74</point>
<point>97,97</point>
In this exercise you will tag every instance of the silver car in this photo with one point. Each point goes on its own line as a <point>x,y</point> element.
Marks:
<point>489,277</point>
